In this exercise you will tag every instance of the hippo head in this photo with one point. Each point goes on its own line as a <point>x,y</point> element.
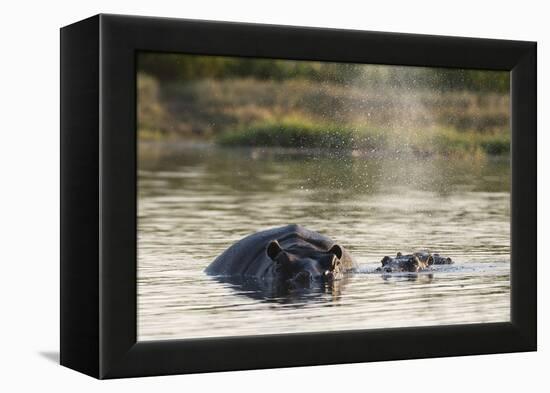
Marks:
<point>301,265</point>
<point>406,263</point>
<point>439,260</point>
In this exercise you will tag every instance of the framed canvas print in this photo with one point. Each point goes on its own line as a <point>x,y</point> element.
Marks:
<point>239,196</point>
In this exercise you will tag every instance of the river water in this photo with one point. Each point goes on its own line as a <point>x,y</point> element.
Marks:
<point>194,201</point>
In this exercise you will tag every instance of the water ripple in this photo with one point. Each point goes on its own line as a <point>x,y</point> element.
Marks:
<point>194,206</point>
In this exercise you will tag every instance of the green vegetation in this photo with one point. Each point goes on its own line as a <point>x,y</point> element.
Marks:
<point>294,104</point>
<point>295,133</point>
<point>290,134</point>
<point>450,141</point>
<point>175,68</point>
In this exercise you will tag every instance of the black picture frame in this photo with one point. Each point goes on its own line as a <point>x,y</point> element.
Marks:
<point>98,196</point>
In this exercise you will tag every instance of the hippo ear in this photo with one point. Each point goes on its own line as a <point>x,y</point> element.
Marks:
<point>385,260</point>
<point>336,250</point>
<point>273,249</point>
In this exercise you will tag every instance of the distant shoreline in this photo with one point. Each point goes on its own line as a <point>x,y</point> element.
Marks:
<point>291,113</point>
<point>178,144</point>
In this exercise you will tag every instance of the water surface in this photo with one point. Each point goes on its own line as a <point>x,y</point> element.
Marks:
<point>195,201</point>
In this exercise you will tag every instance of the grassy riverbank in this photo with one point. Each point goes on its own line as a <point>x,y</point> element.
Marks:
<point>290,133</point>
<point>293,133</point>
<point>300,113</point>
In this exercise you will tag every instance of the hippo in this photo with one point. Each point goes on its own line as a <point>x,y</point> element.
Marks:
<point>291,254</point>
<point>415,262</point>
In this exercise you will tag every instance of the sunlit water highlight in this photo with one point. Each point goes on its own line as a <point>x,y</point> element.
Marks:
<point>194,202</point>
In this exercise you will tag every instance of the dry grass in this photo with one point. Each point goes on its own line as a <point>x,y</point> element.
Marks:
<point>252,112</point>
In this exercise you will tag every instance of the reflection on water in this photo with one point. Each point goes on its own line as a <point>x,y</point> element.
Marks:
<point>195,201</point>
<point>280,292</point>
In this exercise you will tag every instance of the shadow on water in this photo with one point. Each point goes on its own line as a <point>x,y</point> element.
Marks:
<point>277,291</point>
